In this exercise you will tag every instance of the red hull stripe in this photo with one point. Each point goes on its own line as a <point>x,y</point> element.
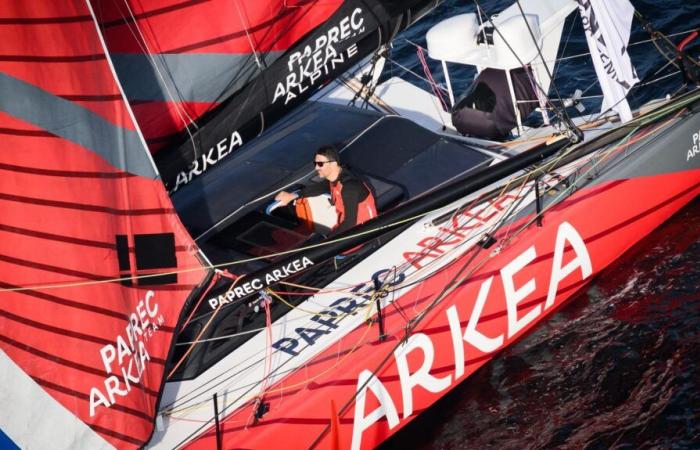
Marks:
<point>643,214</point>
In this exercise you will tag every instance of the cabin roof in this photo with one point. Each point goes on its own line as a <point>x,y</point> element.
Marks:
<point>398,157</point>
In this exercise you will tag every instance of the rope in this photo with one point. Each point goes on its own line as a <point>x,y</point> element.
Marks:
<point>204,328</point>
<point>431,80</point>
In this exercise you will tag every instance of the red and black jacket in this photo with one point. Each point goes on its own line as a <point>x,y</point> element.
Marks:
<point>351,197</point>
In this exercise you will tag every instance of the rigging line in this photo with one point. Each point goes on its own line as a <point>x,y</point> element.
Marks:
<point>305,311</point>
<point>438,299</point>
<point>329,242</point>
<point>393,301</point>
<point>221,338</point>
<point>431,81</point>
<point>291,183</point>
<point>215,279</point>
<point>244,22</point>
<point>645,41</point>
<point>212,384</point>
<point>251,331</point>
<point>442,108</point>
<point>656,34</point>
<point>570,124</point>
<point>475,233</point>
<point>204,328</point>
<point>505,215</point>
<point>408,70</point>
<point>371,302</point>
<point>642,81</point>
<point>622,143</point>
<point>566,190</point>
<point>242,400</point>
<point>407,282</point>
<point>172,409</point>
<point>566,44</point>
<point>101,37</point>
<point>556,110</point>
<point>143,44</point>
<point>280,390</point>
<point>635,87</point>
<point>496,225</point>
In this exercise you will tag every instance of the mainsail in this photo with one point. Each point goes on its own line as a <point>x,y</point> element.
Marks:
<point>85,338</point>
<point>223,71</point>
<point>178,60</point>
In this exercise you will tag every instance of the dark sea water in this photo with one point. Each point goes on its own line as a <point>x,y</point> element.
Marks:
<point>619,365</point>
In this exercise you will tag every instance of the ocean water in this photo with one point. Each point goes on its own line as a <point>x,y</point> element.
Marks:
<point>619,365</point>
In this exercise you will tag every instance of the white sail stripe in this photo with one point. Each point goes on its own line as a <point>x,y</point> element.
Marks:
<point>34,419</point>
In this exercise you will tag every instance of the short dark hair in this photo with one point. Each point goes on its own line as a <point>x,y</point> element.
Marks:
<point>330,152</point>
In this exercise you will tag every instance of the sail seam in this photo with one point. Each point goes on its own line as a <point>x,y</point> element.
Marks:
<point>124,409</point>
<point>64,173</point>
<point>73,304</point>
<point>85,207</point>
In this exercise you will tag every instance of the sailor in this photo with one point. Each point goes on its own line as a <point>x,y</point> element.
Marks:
<point>352,199</point>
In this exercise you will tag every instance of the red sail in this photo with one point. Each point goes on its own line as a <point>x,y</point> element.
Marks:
<point>177,59</point>
<point>84,341</point>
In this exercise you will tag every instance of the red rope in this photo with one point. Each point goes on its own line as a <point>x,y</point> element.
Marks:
<point>687,40</point>
<point>213,281</point>
<point>431,80</point>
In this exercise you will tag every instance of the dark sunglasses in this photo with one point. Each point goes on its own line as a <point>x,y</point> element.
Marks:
<point>321,163</point>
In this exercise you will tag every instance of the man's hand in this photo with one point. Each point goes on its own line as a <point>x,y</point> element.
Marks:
<point>285,198</point>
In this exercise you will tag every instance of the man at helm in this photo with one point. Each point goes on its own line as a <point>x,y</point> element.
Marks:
<point>352,199</point>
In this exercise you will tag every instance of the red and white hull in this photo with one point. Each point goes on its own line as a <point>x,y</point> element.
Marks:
<point>450,307</point>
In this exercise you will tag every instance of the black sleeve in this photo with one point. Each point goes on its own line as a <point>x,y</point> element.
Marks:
<point>353,193</point>
<point>315,189</point>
